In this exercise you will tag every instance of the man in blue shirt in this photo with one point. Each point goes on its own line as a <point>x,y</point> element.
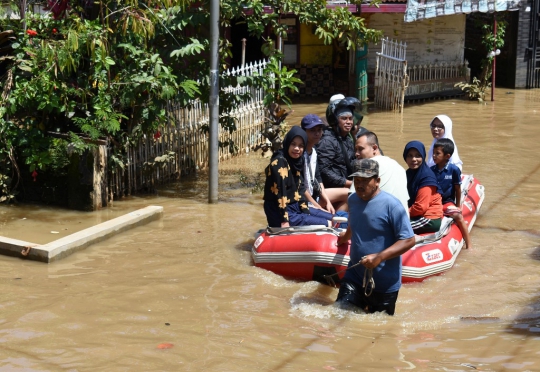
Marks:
<point>380,233</point>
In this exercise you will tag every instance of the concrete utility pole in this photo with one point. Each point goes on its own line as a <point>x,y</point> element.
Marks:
<point>494,58</point>
<point>213,159</point>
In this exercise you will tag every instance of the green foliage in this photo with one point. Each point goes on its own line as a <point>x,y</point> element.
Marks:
<point>106,71</point>
<point>475,90</point>
<point>274,126</point>
<point>278,82</point>
<point>159,161</point>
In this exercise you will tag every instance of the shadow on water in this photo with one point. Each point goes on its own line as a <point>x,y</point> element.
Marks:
<point>245,246</point>
<point>527,322</point>
<point>535,255</point>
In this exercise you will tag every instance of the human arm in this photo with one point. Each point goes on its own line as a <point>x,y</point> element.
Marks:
<point>344,236</point>
<point>326,200</point>
<point>310,199</point>
<point>423,200</point>
<point>401,246</point>
<point>323,197</point>
<point>457,187</point>
<point>456,180</point>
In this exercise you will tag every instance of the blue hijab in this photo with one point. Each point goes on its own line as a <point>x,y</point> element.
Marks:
<point>295,164</point>
<point>418,178</point>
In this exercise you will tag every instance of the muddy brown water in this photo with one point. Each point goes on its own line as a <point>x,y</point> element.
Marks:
<point>188,280</point>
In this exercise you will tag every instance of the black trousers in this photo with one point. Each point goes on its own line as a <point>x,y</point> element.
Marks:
<point>377,301</point>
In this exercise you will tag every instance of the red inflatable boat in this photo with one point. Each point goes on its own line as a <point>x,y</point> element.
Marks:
<point>310,252</point>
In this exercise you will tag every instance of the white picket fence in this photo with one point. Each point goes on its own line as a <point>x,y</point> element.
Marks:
<point>438,71</point>
<point>182,147</point>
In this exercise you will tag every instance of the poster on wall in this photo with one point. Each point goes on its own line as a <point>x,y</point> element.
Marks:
<point>422,9</point>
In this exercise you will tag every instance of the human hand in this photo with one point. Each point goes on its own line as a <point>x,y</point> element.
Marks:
<point>285,224</point>
<point>371,261</point>
<point>330,208</point>
<point>342,238</point>
<point>316,206</point>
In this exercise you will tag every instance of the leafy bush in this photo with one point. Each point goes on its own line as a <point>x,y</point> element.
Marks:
<point>105,71</point>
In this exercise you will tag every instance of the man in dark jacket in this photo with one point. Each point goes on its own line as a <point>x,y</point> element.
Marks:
<point>336,148</point>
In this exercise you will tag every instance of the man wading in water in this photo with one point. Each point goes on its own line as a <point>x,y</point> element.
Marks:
<point>381,233</point>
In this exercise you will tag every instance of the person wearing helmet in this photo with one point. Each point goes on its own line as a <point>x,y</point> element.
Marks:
<point>336,148</point>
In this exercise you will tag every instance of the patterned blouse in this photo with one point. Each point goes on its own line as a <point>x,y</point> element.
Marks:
<point>283,187</point>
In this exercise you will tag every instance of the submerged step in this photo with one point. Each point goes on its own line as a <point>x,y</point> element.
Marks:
<point>65,246</point>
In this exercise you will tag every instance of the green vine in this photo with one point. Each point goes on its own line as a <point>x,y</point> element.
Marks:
<point>477,89</point>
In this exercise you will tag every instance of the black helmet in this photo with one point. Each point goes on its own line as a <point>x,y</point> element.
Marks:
<point>351,102</point>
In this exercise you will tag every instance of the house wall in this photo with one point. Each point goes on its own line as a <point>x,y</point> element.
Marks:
<point>312,49</point>
<point>429,41</point>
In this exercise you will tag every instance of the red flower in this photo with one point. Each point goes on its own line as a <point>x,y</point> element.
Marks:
<point>31,33</point>
<point>157,135</point>
<point>54,30</point>
<point>34,175</point>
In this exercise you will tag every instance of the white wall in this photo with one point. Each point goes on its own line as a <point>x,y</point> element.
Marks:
<point>433,40</point>
<point>9,13</point>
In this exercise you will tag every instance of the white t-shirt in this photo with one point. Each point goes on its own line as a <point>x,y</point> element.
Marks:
<point>393,179</point>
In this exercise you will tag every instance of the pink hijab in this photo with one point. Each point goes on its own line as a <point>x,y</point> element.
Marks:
<point>447,122</point>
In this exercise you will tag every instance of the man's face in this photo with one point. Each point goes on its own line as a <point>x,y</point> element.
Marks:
<point>363,149</point>
<point>345,123</point>
<point>314,134</point>
<point>366,187</point>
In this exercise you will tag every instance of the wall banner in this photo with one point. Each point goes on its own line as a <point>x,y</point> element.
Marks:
<point>422,9</point>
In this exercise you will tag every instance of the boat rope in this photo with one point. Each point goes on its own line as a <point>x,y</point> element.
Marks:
<point>368,283</point>
<point>329,279</point>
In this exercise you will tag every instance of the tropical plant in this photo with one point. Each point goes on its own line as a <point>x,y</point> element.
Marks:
<point>106,70</point>
<point>477,89</point>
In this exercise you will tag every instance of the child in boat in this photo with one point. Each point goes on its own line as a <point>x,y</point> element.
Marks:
<point>449,179</point>
<point>441,127</point>
<point>284,201</point>
<point>425,200</point>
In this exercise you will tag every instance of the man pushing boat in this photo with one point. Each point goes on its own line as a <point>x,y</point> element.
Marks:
<point>380,233</point>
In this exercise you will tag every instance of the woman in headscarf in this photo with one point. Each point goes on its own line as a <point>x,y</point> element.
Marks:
<point>441,127</point>
<point>284,201</point>
<point>425,199</point>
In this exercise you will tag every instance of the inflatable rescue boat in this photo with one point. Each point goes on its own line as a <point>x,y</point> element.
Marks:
<point>311,253</point>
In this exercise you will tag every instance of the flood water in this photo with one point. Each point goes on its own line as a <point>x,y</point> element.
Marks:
<point>187,280</point>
